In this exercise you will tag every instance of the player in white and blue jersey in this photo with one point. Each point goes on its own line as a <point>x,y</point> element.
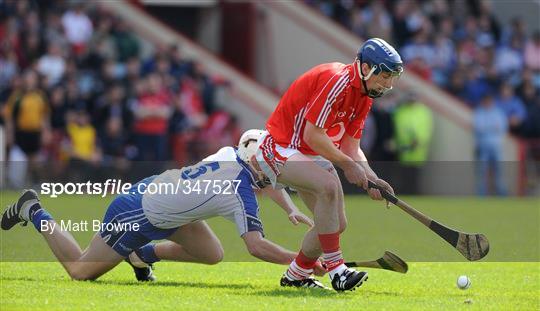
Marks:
<point>223,184</point>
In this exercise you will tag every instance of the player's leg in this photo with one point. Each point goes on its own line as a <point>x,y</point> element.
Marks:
<point>310,245</point>
<point>330,221</point>
<point>193,242</point>
<point>96,260</point>
<point>320,190</point>
<point>304,174</point>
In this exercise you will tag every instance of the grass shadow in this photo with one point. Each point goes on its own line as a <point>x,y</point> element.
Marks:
<point>25,278</point>
<point>202,285</point>
<point>178,284</point>
<point>297,292</point>
<point>382,293</point>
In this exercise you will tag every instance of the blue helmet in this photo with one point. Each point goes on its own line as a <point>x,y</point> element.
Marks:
<point>381,55</point>
<point>382,58</point>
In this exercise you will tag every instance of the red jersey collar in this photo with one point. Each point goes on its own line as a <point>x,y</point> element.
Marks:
<point>354,75</point>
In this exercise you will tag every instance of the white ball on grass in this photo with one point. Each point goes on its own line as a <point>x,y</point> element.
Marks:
<point>463,282</point>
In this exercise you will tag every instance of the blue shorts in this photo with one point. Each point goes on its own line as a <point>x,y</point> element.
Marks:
<point>127,209</point>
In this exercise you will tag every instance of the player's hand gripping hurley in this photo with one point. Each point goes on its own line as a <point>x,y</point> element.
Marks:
<point>471,246</point>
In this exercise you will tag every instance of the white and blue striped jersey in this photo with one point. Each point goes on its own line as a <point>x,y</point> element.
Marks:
<point>220,185</point>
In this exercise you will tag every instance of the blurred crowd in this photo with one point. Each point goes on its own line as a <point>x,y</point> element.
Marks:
<point>460,46</point>
<point>76,88</point>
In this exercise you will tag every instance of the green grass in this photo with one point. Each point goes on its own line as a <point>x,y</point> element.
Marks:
<point>254,286</point>
<point>507,279</point>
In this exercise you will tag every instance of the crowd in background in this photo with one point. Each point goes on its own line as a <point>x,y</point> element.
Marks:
<point>76,88</point>
<point>79,88</point>
<point>462,47</point>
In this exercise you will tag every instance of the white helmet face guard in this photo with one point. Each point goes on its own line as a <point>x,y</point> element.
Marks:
<point>382,82</point>
<point>247,148</point>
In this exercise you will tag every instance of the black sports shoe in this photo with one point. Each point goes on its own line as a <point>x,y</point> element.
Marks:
<point>304,283</point>
<point>143,271</point>
<point>349,279</point>
<point>22,211</point>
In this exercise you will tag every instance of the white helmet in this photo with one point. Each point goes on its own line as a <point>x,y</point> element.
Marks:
<point>247,146</point>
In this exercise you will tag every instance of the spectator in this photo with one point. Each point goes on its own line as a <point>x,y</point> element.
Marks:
<point>73,97</point>
<point>467,52</point>
<point>58,114</point>
<point>401,32</point>
<point>30,50</point>
<point>126,43</point>
<point>456,84</point>
<point>84,152</point>
<point>104,85</point>
<point>101,44</point>
<point>27,115</point>
<point>516,30</point>
<point>52,65</point>
<point>369,134</point>
<point>377,21</point>
<point>512,106</point>
<point>54,31</point>
<point>419,47</point>
<point>490,126</point>
<point>192,102</point>
<point>413,130</point>
<point>509,59</point>
<point>532,52</point>
<point>113,119</point>
<point>488,23</point>
<point>443,60</point>
<point>8,66</point>
<point>83,137</point>
<point>206,87</point>
<point>114,145</point>
<point>526,90</point>
<point>531,126</point>
<point>221,130</point>
<point>476,87</point>
<point>383,146</point>
<point>78,28</point>
<point>358,25</point>
<point>152,112</point>
<point>179,66</point>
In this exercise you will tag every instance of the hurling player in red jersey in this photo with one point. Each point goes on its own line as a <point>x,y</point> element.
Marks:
<point>318,124</point>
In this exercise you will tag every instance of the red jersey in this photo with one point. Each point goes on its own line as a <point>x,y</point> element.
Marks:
<point>329,96</point>
<point>153,125</point>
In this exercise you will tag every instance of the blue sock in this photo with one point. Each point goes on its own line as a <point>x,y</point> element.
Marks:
<point>147,253</point>
<point>38,215</point>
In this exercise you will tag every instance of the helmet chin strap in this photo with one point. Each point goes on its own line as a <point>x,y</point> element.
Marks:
<point>262,181</point>
<point>364,78</point>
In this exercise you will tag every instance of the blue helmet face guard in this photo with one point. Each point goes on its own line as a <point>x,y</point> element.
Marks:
<point>382,78</point>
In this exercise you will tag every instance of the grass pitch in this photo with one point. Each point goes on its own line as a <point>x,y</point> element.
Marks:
<point>254,286</point>
<point>507,279</point>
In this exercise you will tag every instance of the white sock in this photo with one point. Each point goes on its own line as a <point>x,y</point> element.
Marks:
<point>337,270</point>
<point>296,272</point>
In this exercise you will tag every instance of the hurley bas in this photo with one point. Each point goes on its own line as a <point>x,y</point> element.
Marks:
<point>85,225</point>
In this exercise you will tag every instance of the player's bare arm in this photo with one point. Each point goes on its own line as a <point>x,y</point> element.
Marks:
<point>351,147</point>
<point>266,250</point>
<point>317,139</point>
<point>282,198</point>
